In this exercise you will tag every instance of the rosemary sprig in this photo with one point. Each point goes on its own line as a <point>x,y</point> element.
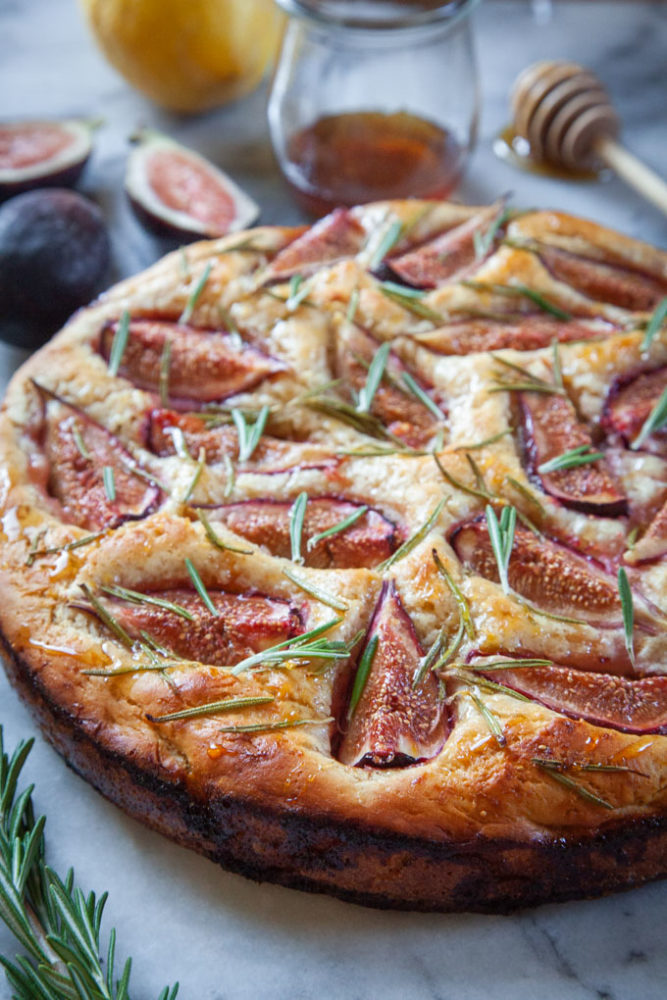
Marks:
<point>501,535</point>
<point>138,597</point>
<point>298,292</point>
<point>214,539</point>
<point>362,675</point>
<point>410,300</point>
<point>109,480</point>
<point>119,343</point>
<point>352,305</point>
<point>510,664</point>
<point>190,305</point>
<point>67,547</point>
<point>364,423</point>
<point>373,379</point>
<point>459,596</point>
<point>522,291</point>
<point>484,241</point>
<point>106,617</point>
<point>270,727</point>
<point>249,434</point>
<point>163,379</point>
<point>296,517</point>
<point>414,540</point>
<point>452,649</point>
<point>570,459</point>
<point>461,672</point>
<point>78,441</point>
<point>426,663</point>
<point>478,445</point>
<point>655,324</point>
<point>656,419</point>
<point>56,925</point>
<point>391,236</point>
<point>200,587</point>
<point>553,769</point>
<point>546,614</point>
<point>211,708</point>
<point>422,396</point>
<point>481,494</point>
<point>308,645</point>
<point>490,717</point>
<point>627,607</point>
<point>336,529</point>
<point>525,492</point>
<point>320,595</point>
<point>199,468</point>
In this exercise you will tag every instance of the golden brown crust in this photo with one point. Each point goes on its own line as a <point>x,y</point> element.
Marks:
<point>479,825</point>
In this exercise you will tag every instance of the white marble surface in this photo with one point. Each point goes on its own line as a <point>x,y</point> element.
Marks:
<point>178,915</point>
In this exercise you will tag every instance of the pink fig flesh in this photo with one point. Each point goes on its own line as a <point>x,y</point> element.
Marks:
<point>468,336</point>
<point>204,365</point>
<point>551,428</point>
<point>367,542</point>
<point>619,286</point>
<point>336,237</point>
<point>629,404</point>
<point>394,724</point>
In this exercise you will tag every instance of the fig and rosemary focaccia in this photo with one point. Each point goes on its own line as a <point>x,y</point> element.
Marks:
<point>339,554</point>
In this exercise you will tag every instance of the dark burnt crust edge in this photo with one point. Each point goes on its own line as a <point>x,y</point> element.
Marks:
<point>357,863</point>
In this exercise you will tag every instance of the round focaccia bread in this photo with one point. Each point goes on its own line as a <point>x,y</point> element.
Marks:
<point>339,554</point>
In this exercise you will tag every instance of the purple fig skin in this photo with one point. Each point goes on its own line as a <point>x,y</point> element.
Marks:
<point>394,724</point>
<point>54,256</point>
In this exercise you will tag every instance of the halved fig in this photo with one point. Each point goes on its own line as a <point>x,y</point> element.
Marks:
<point>468,336</point>
<point>42,154</point>
<point>368,541</point>
<point>393,723</point>
<point>630,402</point>
<point>544,572</point>
<point>176,192</point>
<point>335,237</point>
<point>164,428</point>
<point>78,450</point>
<point>448,257</point>
<point>204,365</point>
<point>551,428</point>
<point>631,705</point>
<point>653,543</point>
<point>604,282</point>
<point>394,403</point>
<point>244,623</point>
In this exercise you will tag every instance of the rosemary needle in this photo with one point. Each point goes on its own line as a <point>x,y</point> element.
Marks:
<point>119,343</point>
<point>200,587</point>
<point>186,315</point>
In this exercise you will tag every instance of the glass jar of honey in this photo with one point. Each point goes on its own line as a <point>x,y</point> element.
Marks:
<point>373,99</point>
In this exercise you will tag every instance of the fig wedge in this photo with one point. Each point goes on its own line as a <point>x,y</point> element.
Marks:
<point>468,336</point>
<point>42,154</point>
<point>271,455</point>
<point>550,429</point>
<point>393,724</point>
<point>449,257</point>
<point>175,192</point>
<point>78,450</point>
<point>619,286</point>
<point>546,573</point>
<point>653,543</point>
<point>398,406</point>
<point>243,623</point>
<point>335,237</point>
<point>629,403</point>
<point>371,539</point>
<point>205,366</point>
<point>631,705</point>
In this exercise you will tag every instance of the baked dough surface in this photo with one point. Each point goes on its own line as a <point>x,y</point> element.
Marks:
<point>463,788</point>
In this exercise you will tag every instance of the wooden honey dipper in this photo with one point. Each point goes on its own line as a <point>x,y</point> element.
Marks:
<point>564,113</point>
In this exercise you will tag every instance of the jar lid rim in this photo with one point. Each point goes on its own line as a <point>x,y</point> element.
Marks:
<point>378,14</point>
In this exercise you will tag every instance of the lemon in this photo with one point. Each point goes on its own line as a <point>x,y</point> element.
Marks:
<point>187,55</point>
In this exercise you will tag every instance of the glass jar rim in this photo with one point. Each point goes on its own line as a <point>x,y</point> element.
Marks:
<point>378,15</point>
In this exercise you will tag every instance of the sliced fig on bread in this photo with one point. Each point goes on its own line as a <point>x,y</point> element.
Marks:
<point>389,722</point>
<point>604,282</point>
<point>336,237</point>
<point>630,403</point>
<point>469,336</point>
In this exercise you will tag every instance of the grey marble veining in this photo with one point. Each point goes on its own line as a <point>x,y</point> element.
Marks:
<point>179,916</point>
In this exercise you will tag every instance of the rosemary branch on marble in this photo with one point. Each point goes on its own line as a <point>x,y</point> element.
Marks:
<point>57,927</point>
